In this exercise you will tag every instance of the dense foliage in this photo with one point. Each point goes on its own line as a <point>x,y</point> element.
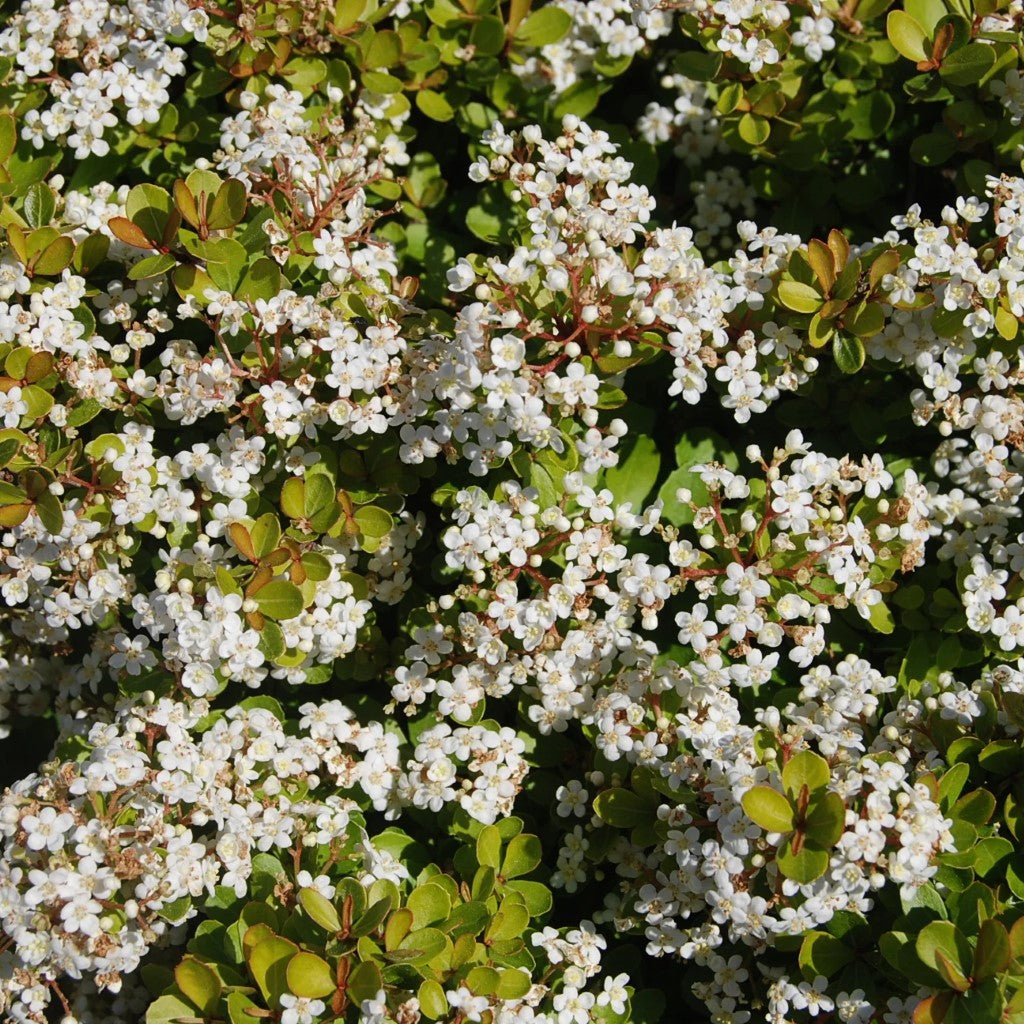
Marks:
<point>510,512</point>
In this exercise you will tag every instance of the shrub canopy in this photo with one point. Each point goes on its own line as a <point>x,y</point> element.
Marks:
<point>510,512</point>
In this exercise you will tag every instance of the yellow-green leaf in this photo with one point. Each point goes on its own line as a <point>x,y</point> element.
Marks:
<point>799,297</point>
<point>907,36</point>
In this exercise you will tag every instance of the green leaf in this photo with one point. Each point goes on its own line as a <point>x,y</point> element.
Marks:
<point>429,903</point>
<point>382,50</point>
<point>485,224</point>
<point>950,973</point>
<point>483,981</point>
<point>522,855</point>
<point>265,534</point>
<point>621,808</point>
<point>364,982</point>
<point>543,27</point>
<point>198,983</point>
<point>422,944</point>
<point>968,65</point>
<point>982,1004</point>
<point>434,105</point>
<point>805,769</point>
<point>280,599</point>
<point>371,919</point>
<point>8,136</point>
<point>488,847</point>
<point>177,910</point>
<point>399,925</point>
<point>380,81</point>
<point>488,36</point>
<point>238,1004</point>
<point>152,266</point>
<point>992,953</point>
<point>310,976</point>
<point>226,261</point>
<point>168,1009</point>
<point>268,963</point>
<point>90,253</point>
<point>826,820</point>
<point>976,807</point>
<point>822,954</point>
<point>50,512</point>
<point>799,297</point>
<point>754,130</point>
<point>149,207</point>
<point>293,497</point>
<point>319,493</point>
<point>320,909</point>
<point>880,617</point>
<point>513,984</point>
<point>304,74</point>
<point>536,896</point>
<point>848,352</point>
<point>870,114</point>
<point>632,479</point>
<point>932,149</point>
<point>907,36</point>
<point>55,257</point>
<point>374,522</point>
<point>228,206</point>
<point>262,280</point>
<point>866,320</point>
<point>433,1003</point>
<point>581,98</point>
<point>40,205</point>
<point>943,937</point>
<point>803,867</point>
<point>768,808</point>
<point>990,853</point>
<point>508,923</point>
<point>698,65</point>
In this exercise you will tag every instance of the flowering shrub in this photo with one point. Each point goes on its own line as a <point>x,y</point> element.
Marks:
<point>475,544</point>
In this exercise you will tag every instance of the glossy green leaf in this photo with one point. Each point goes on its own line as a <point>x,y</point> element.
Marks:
<point>310,976</point>
<point>280,599</point>
<point>804,865</point>
<point>621,808</point>
<point>968,65</point>
<point>268,963</point>
<point>826,819</point>
<point>944,937</point>
<point>320,909</point>
<point>544,26</point>
<point>799,297</point>
<point>907,36</point>
<point>433,1002</point>
<point>848,352</point>
<point>823,954</point>
<point>523,855</point>
<point>805,768</point>
<point>429,903</point>
<point>40,205</point>
<point>199,984</point>
<point>992,953</point>
<point>768,808</point>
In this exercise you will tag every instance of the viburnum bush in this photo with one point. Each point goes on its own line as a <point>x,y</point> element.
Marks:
<point>510,512</point>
